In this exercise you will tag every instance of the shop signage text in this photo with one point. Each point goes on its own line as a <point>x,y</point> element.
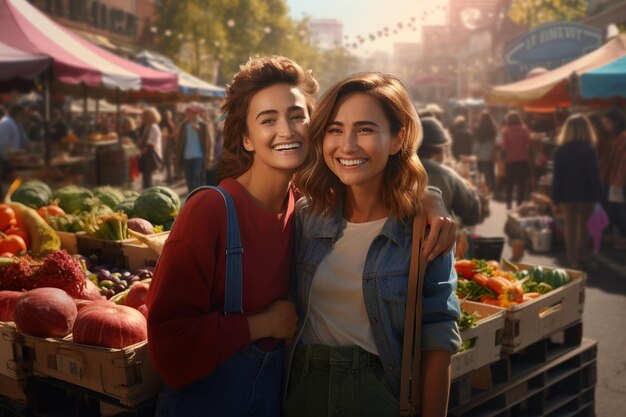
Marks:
<point>550,46</point>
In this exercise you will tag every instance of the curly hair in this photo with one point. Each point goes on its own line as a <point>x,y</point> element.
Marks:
<point>405,178</point>
<point>253,76</point>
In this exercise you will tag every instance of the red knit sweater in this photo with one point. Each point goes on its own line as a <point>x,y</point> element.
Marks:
<point>188,334</point>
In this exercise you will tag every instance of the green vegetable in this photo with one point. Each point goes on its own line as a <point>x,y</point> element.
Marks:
<point>129,194</point>
<point>74,199</point>
<point>110,196</point>
<point>33,193</point>
<point>126,206</point>
<point>109,227</point>
<point>470,290</point>
<point>467,320</point>
<point>158,205</point>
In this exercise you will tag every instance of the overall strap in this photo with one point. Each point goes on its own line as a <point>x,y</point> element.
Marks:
<point>234,274</point>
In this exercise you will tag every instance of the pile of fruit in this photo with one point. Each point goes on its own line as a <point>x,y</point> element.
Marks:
<point>486,282</point>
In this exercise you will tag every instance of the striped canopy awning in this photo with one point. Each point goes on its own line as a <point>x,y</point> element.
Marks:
<point>75,60</point>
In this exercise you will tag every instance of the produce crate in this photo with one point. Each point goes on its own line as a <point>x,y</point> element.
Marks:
<point>533,320</point>
<point>124,375</point>
<point>107,251</point>
<point>14,362</point>
<point>139,256</point>
<point>487,335</point>
<point>69,242</point>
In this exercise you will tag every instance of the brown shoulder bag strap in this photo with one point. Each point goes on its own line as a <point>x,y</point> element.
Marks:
<point>410,385</point>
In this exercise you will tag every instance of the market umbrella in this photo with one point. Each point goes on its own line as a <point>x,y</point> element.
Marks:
<point>606,82</point>
<point>17,64</point>
<point>556,88</point>
<point>188,84</point>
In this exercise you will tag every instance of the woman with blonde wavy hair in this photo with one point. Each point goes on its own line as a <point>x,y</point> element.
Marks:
<point>363,184</point>
<point>150,145</point>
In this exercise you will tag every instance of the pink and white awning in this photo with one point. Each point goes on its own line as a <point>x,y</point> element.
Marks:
<point>76,60</point>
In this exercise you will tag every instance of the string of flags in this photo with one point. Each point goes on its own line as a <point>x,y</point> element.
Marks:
<point>411,24</point>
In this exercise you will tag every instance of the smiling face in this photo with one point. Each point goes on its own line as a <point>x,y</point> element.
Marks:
<point>278,128</point>
<point>358,142</point>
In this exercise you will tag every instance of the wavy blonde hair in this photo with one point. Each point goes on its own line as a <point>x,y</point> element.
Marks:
<point>577,128</point>
<point>253,76</point>
<point>405,178</point>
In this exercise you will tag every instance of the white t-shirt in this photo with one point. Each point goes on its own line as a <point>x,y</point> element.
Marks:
<point>337,315</point>
<point>154,139</point>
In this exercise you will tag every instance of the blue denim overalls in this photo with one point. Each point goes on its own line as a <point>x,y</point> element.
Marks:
<point>250,382</point>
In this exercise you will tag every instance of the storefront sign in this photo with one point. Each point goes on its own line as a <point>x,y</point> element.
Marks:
<point>93,13</point>
<point>550,46</point>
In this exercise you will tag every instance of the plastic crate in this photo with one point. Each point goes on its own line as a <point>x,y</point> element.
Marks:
<point>534,320</point>
<point>125,375</point>
<point>487,339</point>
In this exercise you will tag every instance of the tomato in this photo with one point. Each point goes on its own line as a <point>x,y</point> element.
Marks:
<point>51,210</point>
<point>13,244</point>
<point>14,230</point>
<point>465,268</point>
<point>7,217</point>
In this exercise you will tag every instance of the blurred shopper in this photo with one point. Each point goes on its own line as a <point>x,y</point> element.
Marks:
<point>515,148</point>
<point>168,131</point>
<point>34,125</point>
<point>214,151</point>
<point>193,144</point>
<point>485,148</point>
<point>150,145</point>
<point>462,138</point>
<point>58,126</point>
<point>12,136</point>
<point>459,196</point>
<point>613,174</point>
<point>128,131</point>
<point>576,184</point>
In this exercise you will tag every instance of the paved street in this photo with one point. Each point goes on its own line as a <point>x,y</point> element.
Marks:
<point>605,302</point>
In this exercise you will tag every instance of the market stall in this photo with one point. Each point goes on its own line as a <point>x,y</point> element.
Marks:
<point>76,66</point>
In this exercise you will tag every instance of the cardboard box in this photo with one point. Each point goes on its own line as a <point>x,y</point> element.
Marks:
<point>125,375</point>
<point>69,242</point>
<point>138,255</point>
<point>487,335</point>
<point>107,251</point>
<point>14,363</point>
<point>537,319</point>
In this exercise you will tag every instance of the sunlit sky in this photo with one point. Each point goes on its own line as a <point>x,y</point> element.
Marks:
<point>365,17</point>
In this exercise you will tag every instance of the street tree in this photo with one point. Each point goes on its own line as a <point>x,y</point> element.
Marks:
<point>531,13</point>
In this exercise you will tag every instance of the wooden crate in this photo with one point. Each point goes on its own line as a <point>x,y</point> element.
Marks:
<point>14,362</point>
<point>486,336</point>
<point>125,375</point>
<point>107,251</point>
<point>536,319</point>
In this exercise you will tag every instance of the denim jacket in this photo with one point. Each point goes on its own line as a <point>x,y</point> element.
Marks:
<point>384,286</point>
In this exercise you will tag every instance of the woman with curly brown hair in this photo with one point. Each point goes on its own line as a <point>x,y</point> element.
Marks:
<point>217,336</point>
<point>363,185</point>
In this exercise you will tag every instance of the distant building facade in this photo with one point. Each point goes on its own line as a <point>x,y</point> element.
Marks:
<point>326,33</point>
